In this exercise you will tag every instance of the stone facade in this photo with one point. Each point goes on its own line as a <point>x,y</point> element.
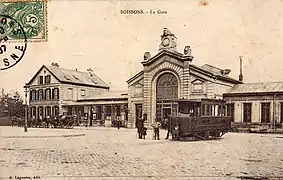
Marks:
<point>193,82</point>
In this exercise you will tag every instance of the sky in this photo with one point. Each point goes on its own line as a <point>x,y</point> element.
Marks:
<point>86,34</point>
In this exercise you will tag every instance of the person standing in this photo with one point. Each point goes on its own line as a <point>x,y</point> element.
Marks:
<point>140,126</point>
<point>167,127</point>
<point>144,132</point>
<point>156,126</point>
<point>118,122</point>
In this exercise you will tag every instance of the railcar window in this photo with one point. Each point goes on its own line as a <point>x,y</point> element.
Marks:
<point>203,110</point>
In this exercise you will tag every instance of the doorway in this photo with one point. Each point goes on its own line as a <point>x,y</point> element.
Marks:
<point>138,112</point>
<point>166,112</point>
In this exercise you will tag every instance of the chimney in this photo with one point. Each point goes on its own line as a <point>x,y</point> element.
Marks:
<point>55,64</point>
<point>241,70</point>
<point>89,70</point>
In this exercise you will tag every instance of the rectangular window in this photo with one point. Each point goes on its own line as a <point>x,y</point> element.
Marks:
<point>40,94</point>
<point>247,112</point>
<point>56,93</point>
<point>52,93</point>
<point>36,94</point>
<point>196,109</point>
<point>216,110</point>
<point>82,92</point>
<point>43,94</point>
<point>108,110</point>
<point>47,94</point>
<point>44,110</point>
<point>52,110</point>
<point>47,79</point>
<point>223,110</point>
<point>208,110</point>
<point>281,112</point>
<point>48,111</point>
<point>33,94</point>
<point>56,111</point>
<point>40,112</point>
<point>174,109</point>
<point>265,112</point>
<point>40,80</point>
<point>70,94</point>
<point>203,109</point>
<point>33,112</point>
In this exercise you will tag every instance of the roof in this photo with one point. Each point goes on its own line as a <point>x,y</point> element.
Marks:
<point>175,54</point>
<point>74,77</point>
<point>213,69</point>
<point>261,87</point>
<point>135,76</point>
<point>215,72</point>
<point>106,95</point>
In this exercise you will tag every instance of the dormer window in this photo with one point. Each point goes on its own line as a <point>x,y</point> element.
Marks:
<point>66,77</point>
<point>94,81</point>
<point>75,77</point>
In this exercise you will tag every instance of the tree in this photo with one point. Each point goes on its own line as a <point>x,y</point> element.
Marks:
<point>11,104</point>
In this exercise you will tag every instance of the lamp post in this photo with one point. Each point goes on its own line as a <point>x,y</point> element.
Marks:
<point>26,109</point>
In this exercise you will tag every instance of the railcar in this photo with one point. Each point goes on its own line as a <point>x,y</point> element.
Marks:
<point>200,119</point>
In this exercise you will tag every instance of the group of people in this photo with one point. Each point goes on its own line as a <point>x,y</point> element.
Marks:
<point>142,130</point>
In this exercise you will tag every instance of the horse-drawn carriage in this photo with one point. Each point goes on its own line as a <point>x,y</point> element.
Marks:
<point>62,121</point>
<point>202,119</point>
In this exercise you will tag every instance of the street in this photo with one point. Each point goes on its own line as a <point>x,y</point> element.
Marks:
<point>109,153</point>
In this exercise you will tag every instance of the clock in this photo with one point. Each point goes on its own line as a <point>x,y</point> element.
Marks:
<point>166,42</point>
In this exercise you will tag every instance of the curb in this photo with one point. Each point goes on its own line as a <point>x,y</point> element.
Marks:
<point>72,135</point>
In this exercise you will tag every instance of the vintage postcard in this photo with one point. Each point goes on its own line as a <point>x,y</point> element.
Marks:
<point>125,89</point>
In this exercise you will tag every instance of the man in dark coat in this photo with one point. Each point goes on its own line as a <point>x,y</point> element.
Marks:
<point>167,127</point>
<point>118,122</point>
<point>140,126</point>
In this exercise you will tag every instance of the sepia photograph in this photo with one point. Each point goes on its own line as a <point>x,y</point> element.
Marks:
<point>141,89</point>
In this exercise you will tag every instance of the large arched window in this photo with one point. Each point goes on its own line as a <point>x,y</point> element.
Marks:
<point>167,87</point>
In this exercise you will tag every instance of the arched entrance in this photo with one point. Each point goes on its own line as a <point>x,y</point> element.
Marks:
<point>166,96</point>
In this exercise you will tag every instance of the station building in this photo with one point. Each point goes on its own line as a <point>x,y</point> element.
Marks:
<point>256,104</point>
<point>165,79</point>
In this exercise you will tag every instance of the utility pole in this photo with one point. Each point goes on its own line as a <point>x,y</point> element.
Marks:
<point>26,109</point>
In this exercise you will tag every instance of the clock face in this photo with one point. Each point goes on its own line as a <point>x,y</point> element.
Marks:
<point>166,42</point>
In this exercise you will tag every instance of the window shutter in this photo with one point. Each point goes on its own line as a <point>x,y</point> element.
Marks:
<point>30,95</point>
<point>57,93</point>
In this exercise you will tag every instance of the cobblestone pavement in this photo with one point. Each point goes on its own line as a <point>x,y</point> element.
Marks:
<point>108,153</point>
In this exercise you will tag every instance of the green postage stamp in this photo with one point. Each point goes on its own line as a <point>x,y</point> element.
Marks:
<point>30,14</point>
